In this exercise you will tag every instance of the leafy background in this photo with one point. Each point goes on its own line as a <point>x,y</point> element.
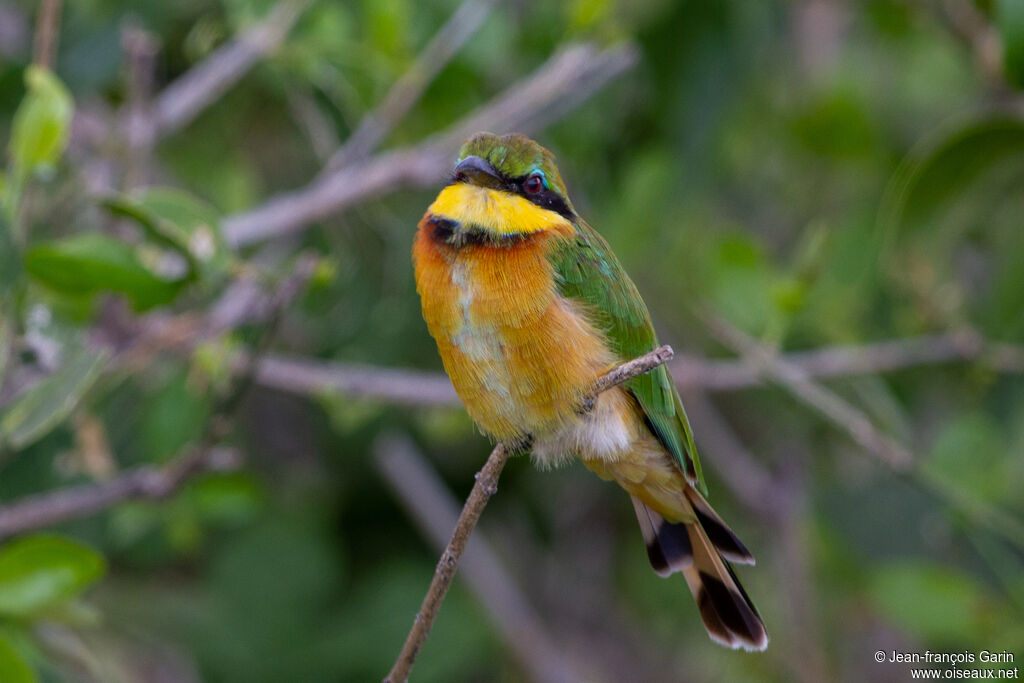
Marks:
<point>815,173</point>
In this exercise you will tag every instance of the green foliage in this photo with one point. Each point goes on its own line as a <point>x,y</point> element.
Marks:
<point>947,164</point>
<point>39,132</point>
<point>1010,21</point>
<point>939,604</point>
<point>179,221</point>
<point>13,666</point>
<point>39,572</point>
<point>969,454</point>
<point>38,410</point>
<point>89,263</point>
<point>173,417</point>
<point>10,259</point>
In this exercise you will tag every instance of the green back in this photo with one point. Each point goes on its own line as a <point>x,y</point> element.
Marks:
<point>588,271</point>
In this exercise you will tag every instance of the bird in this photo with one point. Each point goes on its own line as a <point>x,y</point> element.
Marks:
<point>529,306</point>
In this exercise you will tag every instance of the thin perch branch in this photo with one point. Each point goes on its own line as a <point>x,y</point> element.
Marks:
<point>631,369</point>
<point>433,508</point>
<point>486,486</point>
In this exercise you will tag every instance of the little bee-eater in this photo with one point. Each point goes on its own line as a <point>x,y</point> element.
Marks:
<point>529,306</point>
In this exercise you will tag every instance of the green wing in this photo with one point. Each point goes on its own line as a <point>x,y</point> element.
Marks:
<point>588,271</point>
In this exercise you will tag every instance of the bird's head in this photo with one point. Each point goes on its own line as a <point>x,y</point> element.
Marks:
<point>502,187</point>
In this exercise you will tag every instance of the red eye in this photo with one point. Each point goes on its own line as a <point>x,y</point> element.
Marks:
<point>533,184</point>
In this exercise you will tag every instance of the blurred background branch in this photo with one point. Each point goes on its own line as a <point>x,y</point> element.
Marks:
<point>414,387</point>
<point>840,412</point>
<point>570,76</point>
<point>184,98</point>
<point>44,46</point>
<point>374,127</point>
<point>46,509</point>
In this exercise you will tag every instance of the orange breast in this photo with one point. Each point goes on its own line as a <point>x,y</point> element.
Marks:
<point>520,355</point>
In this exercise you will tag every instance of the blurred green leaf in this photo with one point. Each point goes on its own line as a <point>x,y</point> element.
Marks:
<point>933,602</point>
<point>932,176</point>
<point>584,14</point>
<point>41,125</point>
<point>173,416</point>
<point>181,222</point>
<point>132,521</point>
<point>10,259</point>
<point>836,125</point>
<point>213,363</point>
<point>1010,19</point>
<point>789,295</point>
<point>743,284</point>
<point>94,262</point>
<point>13,667</point>
<point>392,592</point>
<point>226,498</point>
<point>45,405</point>
<point>37,572</point>
<point>970,454</point>
<point>389,25</point>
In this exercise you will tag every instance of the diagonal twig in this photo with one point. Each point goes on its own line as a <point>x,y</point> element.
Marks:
<point>486,486</point>
<point>181,101</point>
<point>434,509</point>
<point>148,482</point>
<point>563,82</point>
<point>750,481</point>
<point>375,126</point>
<point>860,428</point>
<point>840,412</point>
<point>44,48</point>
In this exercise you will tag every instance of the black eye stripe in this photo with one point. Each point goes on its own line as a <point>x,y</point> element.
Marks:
<point>549,200</point>
<point>546,198</point>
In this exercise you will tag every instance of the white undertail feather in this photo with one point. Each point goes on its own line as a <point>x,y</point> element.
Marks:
<point>603,433</point>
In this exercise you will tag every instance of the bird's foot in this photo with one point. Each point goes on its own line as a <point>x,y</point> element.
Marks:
<point>586,406</point>
<point>521,445</point>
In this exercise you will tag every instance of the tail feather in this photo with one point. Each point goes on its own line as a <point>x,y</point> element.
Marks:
<point>696,549</point>
<point>729,616</point>
<point>718,532</point>
<point>668,544</point>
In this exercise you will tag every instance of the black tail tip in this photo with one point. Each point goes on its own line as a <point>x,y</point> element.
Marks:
<point>729,616</point>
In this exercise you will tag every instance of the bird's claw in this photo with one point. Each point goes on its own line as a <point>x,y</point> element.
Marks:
<point>521,445</point>
<point>587,405</point>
